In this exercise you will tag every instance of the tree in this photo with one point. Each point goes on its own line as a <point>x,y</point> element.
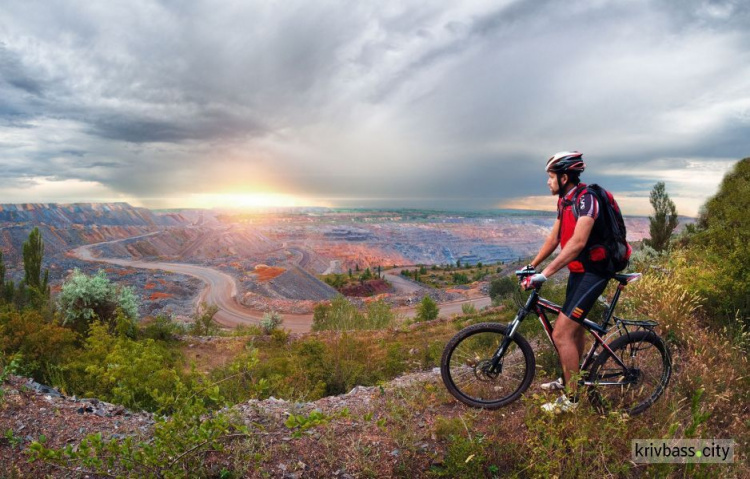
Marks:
<point>204,323</point>
<point>664,221</point>
<point>500,288</point>
<point>722,239</point>
<point>2,272</point>
<point>2,277</point>
<point>427,309</point>
<point>366,275</point>
<point>33,252</point>
<point>85,299</point>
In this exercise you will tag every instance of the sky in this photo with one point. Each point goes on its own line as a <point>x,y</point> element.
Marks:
<point>440,104</point>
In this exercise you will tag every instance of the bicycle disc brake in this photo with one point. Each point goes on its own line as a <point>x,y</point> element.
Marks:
<point>483,370</point>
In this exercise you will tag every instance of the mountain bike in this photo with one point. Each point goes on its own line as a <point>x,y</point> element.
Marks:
<point>490,365</point>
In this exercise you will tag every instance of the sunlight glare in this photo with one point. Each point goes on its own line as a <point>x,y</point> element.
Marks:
<point>245,200</point>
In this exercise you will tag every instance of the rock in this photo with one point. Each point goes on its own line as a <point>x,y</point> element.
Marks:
<point>41,388</point>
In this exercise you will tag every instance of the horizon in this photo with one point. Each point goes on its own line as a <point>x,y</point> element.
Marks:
<point>395,104</point>
<point>281,209</point>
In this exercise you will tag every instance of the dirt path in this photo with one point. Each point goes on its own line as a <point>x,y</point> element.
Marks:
<point>221,290</point>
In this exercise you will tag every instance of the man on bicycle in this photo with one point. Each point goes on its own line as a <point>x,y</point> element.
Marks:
<point>573,231</point>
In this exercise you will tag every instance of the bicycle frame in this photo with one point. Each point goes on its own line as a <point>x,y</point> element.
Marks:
<point>540,306</point>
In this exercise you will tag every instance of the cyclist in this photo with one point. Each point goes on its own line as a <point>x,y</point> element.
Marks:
<point>573,233</point>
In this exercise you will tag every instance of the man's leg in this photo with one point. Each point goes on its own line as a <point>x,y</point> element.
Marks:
<point>568,338</point>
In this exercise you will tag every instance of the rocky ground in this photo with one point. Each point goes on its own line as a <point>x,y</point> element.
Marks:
<point>377,431</point>
<point>30,411</point>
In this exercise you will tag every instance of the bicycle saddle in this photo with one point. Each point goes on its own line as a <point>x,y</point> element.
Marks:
<point>624,279</point>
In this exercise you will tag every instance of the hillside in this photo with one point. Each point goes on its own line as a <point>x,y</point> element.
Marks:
<point>405,427</point>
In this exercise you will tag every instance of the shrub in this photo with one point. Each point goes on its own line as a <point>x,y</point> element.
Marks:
<point>85,299</point>
<point>341,315</point>
<point>379,315</point>
<point>501,288</point>
<point>468,308</point>
<point>427,310</point>
<point>39,343</point>
<point>270,322</point>
<point>160,328</point>
<point>136,374</point>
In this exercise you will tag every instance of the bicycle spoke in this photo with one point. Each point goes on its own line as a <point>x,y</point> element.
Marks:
<point>467,369</point>
<point>642,383</point>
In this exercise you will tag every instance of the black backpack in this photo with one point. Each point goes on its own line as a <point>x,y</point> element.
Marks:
<point>609,229</point>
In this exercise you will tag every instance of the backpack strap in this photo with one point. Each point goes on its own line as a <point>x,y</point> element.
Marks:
<point>576,197</point>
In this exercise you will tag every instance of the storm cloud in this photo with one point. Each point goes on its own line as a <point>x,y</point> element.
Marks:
<point>442,104</point>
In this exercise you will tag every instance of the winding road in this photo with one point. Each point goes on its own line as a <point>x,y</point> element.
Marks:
<point>221,290</point>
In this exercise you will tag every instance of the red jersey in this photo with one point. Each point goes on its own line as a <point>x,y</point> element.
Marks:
<point>587,206</point>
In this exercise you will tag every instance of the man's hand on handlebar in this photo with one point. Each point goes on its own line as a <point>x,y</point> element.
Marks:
<point>533,281</point>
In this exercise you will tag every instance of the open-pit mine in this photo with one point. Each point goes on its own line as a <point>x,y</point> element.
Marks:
<point>251,263</point>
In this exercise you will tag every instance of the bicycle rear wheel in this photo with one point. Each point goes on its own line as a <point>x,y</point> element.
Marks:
<point>465,364</point>
<point>649,367</point>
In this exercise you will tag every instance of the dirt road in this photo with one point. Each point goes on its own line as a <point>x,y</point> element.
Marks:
<point>221,290</point>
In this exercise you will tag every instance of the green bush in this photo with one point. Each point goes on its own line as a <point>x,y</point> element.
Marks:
<point>720,245</point>
<point>468,308</point>
<point>40,344</point>
<point>85,299</point>
<point>136,374</point>
<point>160,328</point>
<point>270,322</point>
<point>427,310</point>
<point>501,288</point>
<point>341,315</point>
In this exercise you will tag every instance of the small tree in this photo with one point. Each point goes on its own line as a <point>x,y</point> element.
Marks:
<point>2,272</point>
<point>3,294</point>
<point>366,275</point>
<point>204,323</point>
<point>427,309</point>
<point>664,221</point>
<point>33,253</point>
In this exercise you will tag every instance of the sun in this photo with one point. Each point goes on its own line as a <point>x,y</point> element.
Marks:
<point>245,200</point>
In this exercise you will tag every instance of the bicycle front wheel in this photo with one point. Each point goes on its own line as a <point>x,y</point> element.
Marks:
<point>465,366</point>
<point>632,390</point>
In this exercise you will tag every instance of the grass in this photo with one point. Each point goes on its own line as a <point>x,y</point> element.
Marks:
<point>421,431</point>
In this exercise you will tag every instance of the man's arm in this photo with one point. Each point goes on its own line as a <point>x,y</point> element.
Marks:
<point>573,247</point>
<point>549,245</point>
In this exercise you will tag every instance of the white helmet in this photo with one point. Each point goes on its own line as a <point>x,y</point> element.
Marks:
<point>566,161</point>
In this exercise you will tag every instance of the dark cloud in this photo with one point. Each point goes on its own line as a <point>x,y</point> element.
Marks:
<point>456,101</point>
<point>13,73</point>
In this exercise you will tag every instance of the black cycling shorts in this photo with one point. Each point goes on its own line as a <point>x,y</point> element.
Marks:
<point>583,290</point>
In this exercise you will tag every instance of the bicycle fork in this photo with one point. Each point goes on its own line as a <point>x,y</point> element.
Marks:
<point>496,365</point>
